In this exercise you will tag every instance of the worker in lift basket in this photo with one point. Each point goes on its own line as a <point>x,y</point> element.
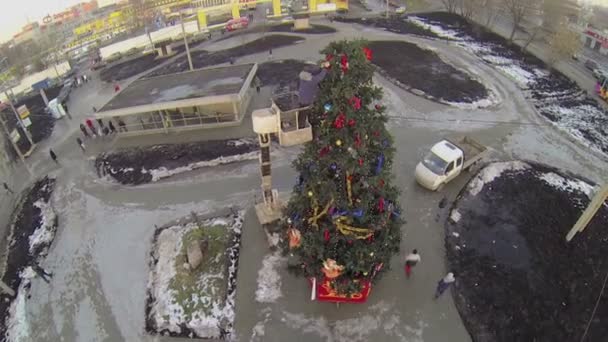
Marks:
<point>308,87</point>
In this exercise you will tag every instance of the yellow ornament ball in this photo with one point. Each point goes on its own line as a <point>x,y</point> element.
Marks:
<point>365,273</point>
<point>338,142</point>
<point>310,194</point>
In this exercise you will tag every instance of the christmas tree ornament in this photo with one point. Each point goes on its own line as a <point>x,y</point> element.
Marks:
<point>295,238</point>
<point>338,142</point>
<point>358,213</point>
<point>355,102</point>
<point>357,140</point>
<point>327,107</point>
<point>326,235</point>
<point>324,151</point>
<point>381,205</point>
<point>310,194</point>
<point>340,121</point>
<point>380,163</point>
<point>352,122</point>
<point>333,166</point>
<point>368,53</point>
<point>331,269</point>
<point>344,63</point>
<point>360,161</point>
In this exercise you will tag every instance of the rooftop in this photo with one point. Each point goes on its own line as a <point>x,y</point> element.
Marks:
<point>170,89</point>
<point>446,150</point>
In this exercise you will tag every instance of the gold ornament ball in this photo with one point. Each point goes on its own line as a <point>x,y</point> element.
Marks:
<point>338,142</point>
<point>310,194</point>
<point>365,273</point>
<point>371,254</point>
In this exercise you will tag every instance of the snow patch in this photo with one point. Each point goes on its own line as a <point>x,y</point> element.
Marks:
<point>44,234</point>
<point>566,184</point>
<point>520,76</point>
<point>491,172</point>
<point>438,30</point>
<point>166,311</point>
<point>455,216</point>
<point>163,172</point>
<point>269,279</point>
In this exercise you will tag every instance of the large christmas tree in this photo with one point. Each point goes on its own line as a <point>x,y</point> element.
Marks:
<point>343,221</point>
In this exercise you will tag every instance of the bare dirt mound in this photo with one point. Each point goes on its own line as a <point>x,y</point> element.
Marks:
<point>202,58</point>
<point>416,68</point>
<point>148,164</point>
<point>124,69</point>
<point>517,279</point>
<point>281,72</point>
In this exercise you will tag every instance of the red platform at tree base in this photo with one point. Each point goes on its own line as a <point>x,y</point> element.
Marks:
<point>325,292</point>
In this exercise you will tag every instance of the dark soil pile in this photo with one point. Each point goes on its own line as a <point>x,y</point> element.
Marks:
<point>313,29</point>
<point>392,24</point>
<point>27,217</point>
<point>132,166</point>
<point>202,58</point>
<point>416,68</point>
<point>124,69</point>
<point>517,279</point>
<point>555,97</point>
<point>282,72</point>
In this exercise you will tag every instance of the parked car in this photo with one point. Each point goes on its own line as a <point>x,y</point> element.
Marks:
<point>600,74</point>
<point>591,65</point>
<point>235,24</point>
<point>446,160</point>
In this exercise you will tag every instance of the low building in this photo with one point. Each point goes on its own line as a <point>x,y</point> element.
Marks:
<point>202,98</point>
<point>596,40</point>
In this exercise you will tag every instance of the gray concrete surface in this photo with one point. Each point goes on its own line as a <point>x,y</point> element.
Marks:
<point>100,255</point>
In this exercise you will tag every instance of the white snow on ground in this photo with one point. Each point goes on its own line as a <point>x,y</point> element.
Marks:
<point>585,123</point>
<point>45,233</point>
<point>269,279</point>
<point>455,215</point>
<point>520,76</point>
<point>566,184</point>
<point>491,172</point>
<point>163,172</point>
<point>166,311</point>
<point>18,327</point>
<point>438,30</point>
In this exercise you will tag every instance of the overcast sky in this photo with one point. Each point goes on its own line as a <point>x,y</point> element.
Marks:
<point>14,13</point>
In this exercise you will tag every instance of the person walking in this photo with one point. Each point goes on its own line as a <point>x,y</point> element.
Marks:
<point>83,128</point>
<point>53,156</point>
<point>94,109</point>
<point>42,273</point>
<point>89,123</point>
<point>7,188</point>
<point>410,261</point>
<point>111,127</point>
<point>270,54</point>
<point>122,126</point>
<point>100,123</point>
<point>444,284</point>
<point>81,144</point>
<point>116,88</point>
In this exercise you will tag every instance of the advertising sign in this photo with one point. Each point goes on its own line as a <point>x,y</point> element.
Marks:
<point>23,112</point>
<point>15,136</point>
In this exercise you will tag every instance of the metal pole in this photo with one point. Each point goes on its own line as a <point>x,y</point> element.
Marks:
<point>386,9</point>
<point>19,153</point>
<point>27,133</point>
<point>181,18</point>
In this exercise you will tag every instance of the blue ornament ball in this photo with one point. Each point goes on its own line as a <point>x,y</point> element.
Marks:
<point>327,107</point>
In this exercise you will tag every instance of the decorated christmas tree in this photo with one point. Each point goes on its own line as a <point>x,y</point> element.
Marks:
<point>342,222</point>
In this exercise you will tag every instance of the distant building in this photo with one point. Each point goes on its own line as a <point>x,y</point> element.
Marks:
<point>28,33</point>
<point>595,39</point>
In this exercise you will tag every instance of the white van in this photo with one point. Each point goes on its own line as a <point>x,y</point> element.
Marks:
<point>446,160</point>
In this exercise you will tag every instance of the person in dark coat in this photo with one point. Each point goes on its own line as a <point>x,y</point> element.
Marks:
<point>7,188</point>
<point>100,123</point>
<point>308,87</point>
<point>111,126</point>
<point>122,125</point>
<point>80,143</point>
<point>444,284</point>
<point>42,273</point>
<point>83,128</point>
<point>53,156</point>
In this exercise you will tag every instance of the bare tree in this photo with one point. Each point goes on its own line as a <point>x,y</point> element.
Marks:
<point>468,8</point>
<point>517,10</point>
<point>489,11</point>
<point>563,44</point>
<point>450,5</point>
